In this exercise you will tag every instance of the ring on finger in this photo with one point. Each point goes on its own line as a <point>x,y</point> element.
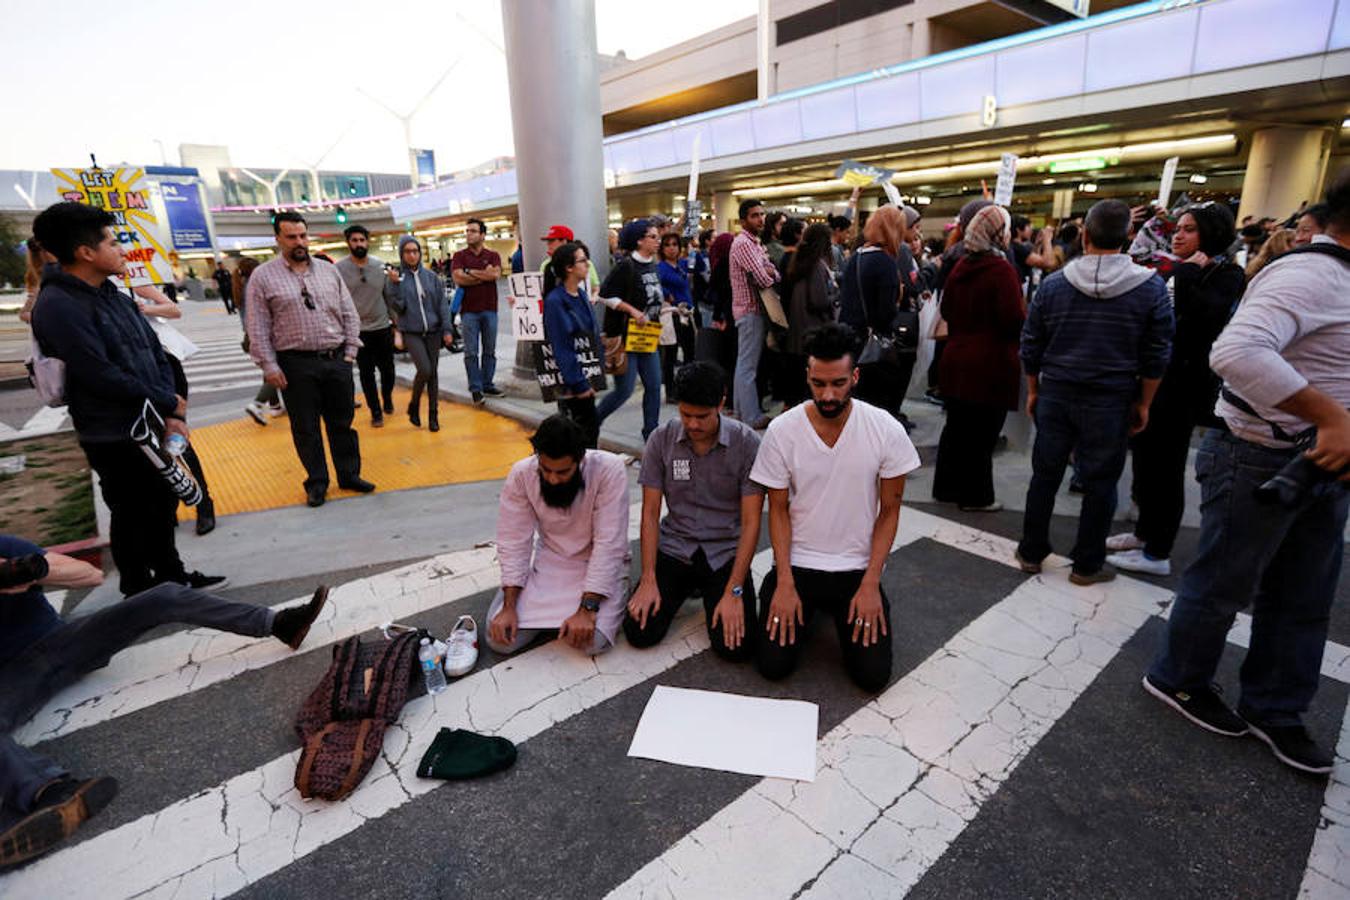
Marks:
<point>775,620</point>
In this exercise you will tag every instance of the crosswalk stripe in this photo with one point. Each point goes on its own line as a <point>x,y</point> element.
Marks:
<point>46,418</point>
<point>900,779</point>
<point>1328,871</point>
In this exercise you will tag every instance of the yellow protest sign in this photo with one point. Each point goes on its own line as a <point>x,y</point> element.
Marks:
<point>123,192</point>
<point>643,338</point>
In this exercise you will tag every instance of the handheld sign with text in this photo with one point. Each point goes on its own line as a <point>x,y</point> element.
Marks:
<point>550,378</point>
<point>527,306</point>
<point>856,174</point>
<point>123,193</point>
<point>643,338</point>
<point>1007,176</point>
<point>1169,175</point>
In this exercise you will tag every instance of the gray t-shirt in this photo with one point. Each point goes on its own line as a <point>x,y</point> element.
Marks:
<point>1292,330</point>
<point>703,493</point>
<point>368,295</point>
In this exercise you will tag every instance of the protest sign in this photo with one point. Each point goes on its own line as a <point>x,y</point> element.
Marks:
<point>1169,175</point>
<point>856,174</point>
<point>643,338</point>
<point>527,306</point>
<point>125,194</point>
<point>1007,176</point>
<point>550,378</point>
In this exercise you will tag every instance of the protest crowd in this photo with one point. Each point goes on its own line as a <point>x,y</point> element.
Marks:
<point>773,362</point>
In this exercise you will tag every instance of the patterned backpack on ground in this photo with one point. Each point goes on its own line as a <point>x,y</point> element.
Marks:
<point>342,722</point>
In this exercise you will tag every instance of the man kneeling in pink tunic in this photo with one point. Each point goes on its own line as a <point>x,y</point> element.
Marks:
<point>562,540</point>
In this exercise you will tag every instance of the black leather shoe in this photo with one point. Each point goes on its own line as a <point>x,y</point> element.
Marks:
<point>413,417</point>
<point>206,517</point>
<point>360,485</point>
<point>316,495</point>
<point>433,423</point>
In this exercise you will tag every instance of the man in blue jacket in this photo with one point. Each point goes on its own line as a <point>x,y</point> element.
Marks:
<point>1095,345</point>
<point>114,366</point>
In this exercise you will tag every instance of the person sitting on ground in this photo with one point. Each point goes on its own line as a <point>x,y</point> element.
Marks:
<point>835,472</point>
<point>699,464</point>
<point>41,803</point>
<point>562,538</point>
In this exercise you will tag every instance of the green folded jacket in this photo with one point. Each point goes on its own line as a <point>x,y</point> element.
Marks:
<point>457,754</point>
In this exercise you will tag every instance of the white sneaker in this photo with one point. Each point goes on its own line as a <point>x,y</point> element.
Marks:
<point>277,411</point>
<point>257,412</point>
<point>461,654</point>
<point>1136,561</point>
<point>1123,541</point>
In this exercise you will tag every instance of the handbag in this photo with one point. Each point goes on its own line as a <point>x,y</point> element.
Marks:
<point>47,375</point>
<point>616,357</point>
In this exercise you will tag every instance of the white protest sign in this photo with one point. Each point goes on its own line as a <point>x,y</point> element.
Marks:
<point>892,194</point>
<point>1168,176</point>
<point>1007,175</point>
<point>527,306</point>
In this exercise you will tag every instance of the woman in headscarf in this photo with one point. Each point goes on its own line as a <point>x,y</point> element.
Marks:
<point>809,289</point>
<point>1206,286</point>
<point>979,375</point>
<point>416,296</point>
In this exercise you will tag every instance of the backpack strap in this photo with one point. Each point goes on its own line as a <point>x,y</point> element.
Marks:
<point>1324,248</point>
<point>1275,430</point>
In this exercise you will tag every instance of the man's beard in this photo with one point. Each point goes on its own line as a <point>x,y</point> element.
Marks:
<point>560,496</point>
<point>834,408</point>
<point>299,254</point>
<point>360,252</point>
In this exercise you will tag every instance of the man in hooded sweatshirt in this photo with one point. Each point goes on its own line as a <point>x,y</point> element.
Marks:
<point>1096,342</point>
<point>416,296</point>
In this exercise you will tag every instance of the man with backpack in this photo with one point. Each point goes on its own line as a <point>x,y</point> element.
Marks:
<point>41,803</point>
<point>1285,396</point>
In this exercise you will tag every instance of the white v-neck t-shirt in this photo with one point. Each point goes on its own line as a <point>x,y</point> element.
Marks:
<point>833,491</point>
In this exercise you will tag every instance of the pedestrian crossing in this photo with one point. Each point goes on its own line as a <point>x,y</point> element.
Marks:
<point>221,365</point>
<point>992,666</point>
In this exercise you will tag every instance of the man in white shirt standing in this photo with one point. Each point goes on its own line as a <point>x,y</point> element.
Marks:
<point>835,473</point>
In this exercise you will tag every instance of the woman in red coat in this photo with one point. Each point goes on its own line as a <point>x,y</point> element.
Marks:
<point>979,375</point>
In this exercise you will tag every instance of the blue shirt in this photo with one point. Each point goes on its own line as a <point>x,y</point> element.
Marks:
<point>565,318</point>
<point>24,618</point>
<point>674,283</point>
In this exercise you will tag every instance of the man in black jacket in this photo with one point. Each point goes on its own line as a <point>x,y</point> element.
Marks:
<point>225,284</point>
<point>114,366</point>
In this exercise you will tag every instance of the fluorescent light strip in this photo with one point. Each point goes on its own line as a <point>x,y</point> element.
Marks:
<point>1178,147</point>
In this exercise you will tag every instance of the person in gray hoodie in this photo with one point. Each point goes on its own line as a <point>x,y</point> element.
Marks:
<point>1095,344</point>
<point>416,295</point>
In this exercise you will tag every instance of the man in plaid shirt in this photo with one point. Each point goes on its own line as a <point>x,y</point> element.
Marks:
<point>749,262</point>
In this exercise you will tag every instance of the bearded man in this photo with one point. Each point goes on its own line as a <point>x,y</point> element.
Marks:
<point>562,541</point>
<point>834,470</point>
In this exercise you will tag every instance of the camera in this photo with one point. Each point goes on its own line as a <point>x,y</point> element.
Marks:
<point>1291,485</point>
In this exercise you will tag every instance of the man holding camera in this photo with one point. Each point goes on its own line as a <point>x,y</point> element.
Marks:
<point>1276,546</point>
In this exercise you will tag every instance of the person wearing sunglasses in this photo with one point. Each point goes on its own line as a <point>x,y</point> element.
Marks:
<point>364,276</point>
<point>304,333</point>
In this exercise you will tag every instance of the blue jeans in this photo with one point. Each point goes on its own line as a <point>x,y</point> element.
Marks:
<point>476,324</point>
<point>648,367</point>
<point>1095,427</point>
<point>1283,562</point>
<point>749,346</point>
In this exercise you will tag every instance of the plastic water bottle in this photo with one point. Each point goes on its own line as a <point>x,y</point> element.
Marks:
<point>175,444</point>
<point>431,667</point>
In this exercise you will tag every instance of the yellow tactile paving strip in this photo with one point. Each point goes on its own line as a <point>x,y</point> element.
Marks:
<point>251,468</point>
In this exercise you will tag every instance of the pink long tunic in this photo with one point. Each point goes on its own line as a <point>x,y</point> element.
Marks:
<point>557,554</point>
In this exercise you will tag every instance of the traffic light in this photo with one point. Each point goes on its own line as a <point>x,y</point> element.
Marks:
<point>351,188</point>
<point>341,216</point>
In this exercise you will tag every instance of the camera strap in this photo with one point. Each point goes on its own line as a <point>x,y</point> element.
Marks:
<point>1276,431</point>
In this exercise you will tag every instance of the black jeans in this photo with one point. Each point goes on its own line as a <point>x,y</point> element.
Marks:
<point>377,354</point>
<point>1095,428</point>
<point>965,462</point>
<point>582,411</point>
<point>830,592</point>
<point>321,389</point>
<point>63,656</point>
<point>143,509</point>
<point>675,581</point>
<point>884,384</point>
<point>1159,466</point>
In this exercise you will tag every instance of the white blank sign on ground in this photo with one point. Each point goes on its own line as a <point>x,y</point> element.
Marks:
<point>729,732</point>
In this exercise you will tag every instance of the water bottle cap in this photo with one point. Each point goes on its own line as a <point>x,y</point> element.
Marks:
<point>426,641</point>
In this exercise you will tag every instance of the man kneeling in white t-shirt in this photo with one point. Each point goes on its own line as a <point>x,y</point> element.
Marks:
<point>835,473</point>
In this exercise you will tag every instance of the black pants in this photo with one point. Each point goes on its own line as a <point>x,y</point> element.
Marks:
<point>377,354</point>
<point>321,389</point>
<point>939,344</point>
<point>675,581</point>
<point>1159,468</point>
<point>965,462</point>
<point>794,388</point>
<point>830,592</point>
<point>424,349</point>
<point>143,511</point>
<point>884,384</point>
<point>582,411</point>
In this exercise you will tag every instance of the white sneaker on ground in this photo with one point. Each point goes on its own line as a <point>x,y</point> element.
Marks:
<point>257,412</point>
<point>461,654</point>
<point>277,410</point>
<point>1123,541</point>
<point>1138,561</point>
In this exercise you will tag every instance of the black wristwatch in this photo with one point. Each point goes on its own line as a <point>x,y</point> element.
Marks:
<point>590,604</point>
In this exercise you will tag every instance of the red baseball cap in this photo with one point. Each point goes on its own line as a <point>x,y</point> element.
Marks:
<point>559,233</point>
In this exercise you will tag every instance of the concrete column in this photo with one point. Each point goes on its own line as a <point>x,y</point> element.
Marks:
<point>554,77</point>
<point>1285,168</point>
<point>724,209</point>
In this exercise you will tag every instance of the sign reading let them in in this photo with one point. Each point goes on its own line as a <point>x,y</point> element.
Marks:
<point>122,193</point>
